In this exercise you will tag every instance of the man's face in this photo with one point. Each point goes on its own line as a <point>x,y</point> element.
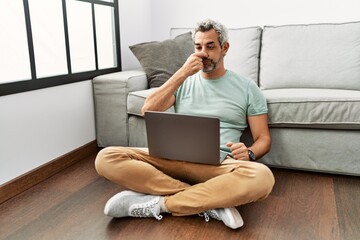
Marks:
<point>208,42</point>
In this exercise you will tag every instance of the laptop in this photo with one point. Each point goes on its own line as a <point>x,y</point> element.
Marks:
<point>184,137</point>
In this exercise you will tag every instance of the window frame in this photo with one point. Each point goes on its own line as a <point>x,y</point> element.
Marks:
<point>39,83</point>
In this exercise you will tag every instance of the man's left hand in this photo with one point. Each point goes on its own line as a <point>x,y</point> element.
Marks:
<point>238,150</point>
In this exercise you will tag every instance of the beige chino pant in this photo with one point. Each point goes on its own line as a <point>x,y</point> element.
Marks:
<point>189,188</point>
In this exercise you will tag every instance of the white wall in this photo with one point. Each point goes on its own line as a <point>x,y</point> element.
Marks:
<point>39,126</point>
<point>135,27</point>
<point>232,13</point>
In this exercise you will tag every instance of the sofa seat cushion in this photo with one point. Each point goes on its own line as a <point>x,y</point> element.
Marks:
<point>136,100</point>
<point>314,108</point>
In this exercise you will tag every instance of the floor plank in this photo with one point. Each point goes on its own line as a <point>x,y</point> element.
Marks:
<point>348,204</point>
<point>69,205</point>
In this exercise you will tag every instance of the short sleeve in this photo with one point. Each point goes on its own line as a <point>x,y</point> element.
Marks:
<point>256,100</point>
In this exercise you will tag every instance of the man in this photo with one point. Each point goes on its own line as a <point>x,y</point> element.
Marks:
<point>202,86</point>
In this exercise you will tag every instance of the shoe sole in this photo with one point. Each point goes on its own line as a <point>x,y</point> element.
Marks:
<point>235,218</point>
<point>116,197</point>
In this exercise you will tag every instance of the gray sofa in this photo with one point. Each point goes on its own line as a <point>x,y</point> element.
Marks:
<point>309,74</point>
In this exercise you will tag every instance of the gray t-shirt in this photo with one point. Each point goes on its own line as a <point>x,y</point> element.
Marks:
<point>231,98</point>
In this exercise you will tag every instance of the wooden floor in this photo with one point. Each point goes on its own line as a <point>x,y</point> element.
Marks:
<point>70,205</point>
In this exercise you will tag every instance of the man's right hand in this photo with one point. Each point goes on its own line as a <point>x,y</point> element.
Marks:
<point>163,97</point>
<point>194,63</point>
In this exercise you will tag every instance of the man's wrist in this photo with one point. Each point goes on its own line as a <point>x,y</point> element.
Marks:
<point>252,156</point>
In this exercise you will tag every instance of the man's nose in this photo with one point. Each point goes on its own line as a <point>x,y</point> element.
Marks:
<point>204,50</point>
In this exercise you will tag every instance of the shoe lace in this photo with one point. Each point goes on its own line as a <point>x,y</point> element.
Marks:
<point>210,214</point>
<point>146,210</point>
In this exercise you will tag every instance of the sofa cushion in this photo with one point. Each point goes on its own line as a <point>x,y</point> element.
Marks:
<point>160,60</point>
<point>314,108</point>
<point>136,100</point>
<point>243,54</point>
<point>311,56</point>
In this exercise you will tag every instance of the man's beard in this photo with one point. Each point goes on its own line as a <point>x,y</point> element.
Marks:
<point>209,65</point>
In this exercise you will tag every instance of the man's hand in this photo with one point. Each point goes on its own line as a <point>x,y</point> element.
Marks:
<point>194,63</point>
<point>163,97</point>
<point>238,150</point>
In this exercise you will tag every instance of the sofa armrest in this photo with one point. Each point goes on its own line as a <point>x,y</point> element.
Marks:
<point>110,97</point>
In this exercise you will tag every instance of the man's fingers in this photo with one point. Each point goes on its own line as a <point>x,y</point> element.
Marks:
<point>201,55</point>
<point>236,146</point>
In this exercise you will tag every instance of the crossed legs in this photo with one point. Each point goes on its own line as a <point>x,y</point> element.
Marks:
<point>188,188</point>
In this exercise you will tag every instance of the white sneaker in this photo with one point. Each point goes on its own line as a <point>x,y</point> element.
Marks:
<point>230,216</point>
<point>133,204</point>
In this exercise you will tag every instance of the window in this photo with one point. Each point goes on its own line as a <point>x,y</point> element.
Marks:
<point>47,43</point>
<point>14,57</point>
<point>48,39</point>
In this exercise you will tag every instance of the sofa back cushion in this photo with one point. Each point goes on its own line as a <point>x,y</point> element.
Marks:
<point>311,56</point>
<point>243,55</point>
<point>160,60</point>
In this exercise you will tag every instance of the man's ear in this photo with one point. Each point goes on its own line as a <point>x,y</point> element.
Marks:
<point>225,48</point>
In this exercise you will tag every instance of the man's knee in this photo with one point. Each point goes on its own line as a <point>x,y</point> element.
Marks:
<point>256,181</point>
<point>265,178</point>
<point>105,158</point>
<point>100,160</point>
